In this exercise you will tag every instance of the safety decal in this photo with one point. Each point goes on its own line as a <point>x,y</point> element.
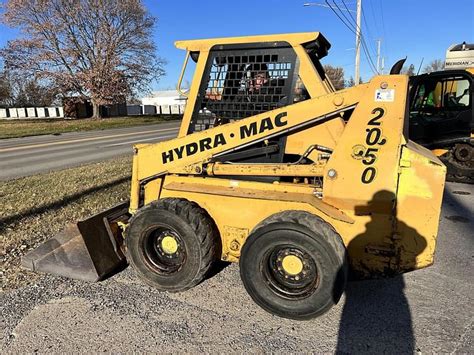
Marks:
<point>385,95</point>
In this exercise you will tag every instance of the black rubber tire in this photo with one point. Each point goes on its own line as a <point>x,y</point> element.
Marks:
<point>197,233</point>
<point>459,171</point>
<point>316,238</point>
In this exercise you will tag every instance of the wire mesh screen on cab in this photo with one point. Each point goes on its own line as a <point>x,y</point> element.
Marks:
<point>243,83</point>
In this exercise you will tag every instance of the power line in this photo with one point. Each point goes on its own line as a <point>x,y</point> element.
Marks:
<point>378,40</point>
<point>353,28</point>
<point>364,46</point>
<point>383,27</point>
<point>381,14</point>
<point>373,15</point>
<point>368,30</point>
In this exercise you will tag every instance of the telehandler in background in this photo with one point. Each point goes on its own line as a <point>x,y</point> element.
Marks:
<point>442,118</point>
<point>274,169</point>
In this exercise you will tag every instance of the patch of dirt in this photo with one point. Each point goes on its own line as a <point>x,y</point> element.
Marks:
<point>37,207</point>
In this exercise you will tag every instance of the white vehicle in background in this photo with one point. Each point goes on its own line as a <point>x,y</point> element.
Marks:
<point>460,56</point>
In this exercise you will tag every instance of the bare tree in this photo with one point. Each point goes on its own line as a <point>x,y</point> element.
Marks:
<point>100,50</point>
<point>435,65</point>
<point>336,75</point>
<point>32,93</point>
<point>410,71</point>
<point>21,91</point>
<point>6,97</point>
<point>350,83</point>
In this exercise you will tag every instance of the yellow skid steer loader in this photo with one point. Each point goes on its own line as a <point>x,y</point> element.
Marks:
<point>274,169</point>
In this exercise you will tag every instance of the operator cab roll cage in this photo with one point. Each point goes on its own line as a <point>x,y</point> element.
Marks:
<point>251,76</point>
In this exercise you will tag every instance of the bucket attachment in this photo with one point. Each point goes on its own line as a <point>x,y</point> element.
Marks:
<point>89,250</point>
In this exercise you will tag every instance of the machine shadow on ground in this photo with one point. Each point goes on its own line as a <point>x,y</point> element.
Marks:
<point>454,209</point>
<point>56,205</point>
<point>376,316</point>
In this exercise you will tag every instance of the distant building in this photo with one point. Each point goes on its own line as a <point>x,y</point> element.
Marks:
<point>166,102</point>
<point>164,98</point>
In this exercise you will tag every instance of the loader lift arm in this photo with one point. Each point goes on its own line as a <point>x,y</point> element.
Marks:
<point>190,154</point>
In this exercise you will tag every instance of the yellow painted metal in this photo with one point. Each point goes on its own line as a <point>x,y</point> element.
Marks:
<point>292,265</point>
<point>193,92</point>
<point>228,137</point>
<point>315,85</point>
<point>183,69</point>
<point>152,190</point>
<point>327,135</point>
<point>380,192</point>
<point>135,184</point>
<point>419,197</point>
<point>237,207</point>
<point>169,244</point>
<point>265,169</point>
<point>439,152</point>
<point>233,238</point>
<point>259,191</point>
<point>294,39</point>
<point>380,157</point>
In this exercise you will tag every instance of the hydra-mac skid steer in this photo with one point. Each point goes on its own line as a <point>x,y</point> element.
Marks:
<point>275,170</point>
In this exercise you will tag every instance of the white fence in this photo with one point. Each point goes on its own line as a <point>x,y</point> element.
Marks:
<point>58,112</point>
<point>31,112</point>
<point>133,110</point>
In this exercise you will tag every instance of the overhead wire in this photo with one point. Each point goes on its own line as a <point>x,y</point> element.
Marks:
<point>383,29</point>
<point>371,2</point>
<point>353,28</point>
<point>366,50</point>
<point>378,30</point>
<point>368,31</point>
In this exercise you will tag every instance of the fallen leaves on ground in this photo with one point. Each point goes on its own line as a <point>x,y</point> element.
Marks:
<point>35,208</point>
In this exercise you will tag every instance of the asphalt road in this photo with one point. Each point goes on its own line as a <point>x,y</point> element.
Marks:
<point>427,311</point>
<point>31,155</point>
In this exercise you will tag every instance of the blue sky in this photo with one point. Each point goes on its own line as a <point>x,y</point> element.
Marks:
<point>414,28</point>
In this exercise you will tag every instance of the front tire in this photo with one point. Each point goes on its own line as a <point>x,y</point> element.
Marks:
<point>294,265</point>
<point>172,244</point>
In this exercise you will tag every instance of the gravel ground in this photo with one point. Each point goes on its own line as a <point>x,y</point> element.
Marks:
<point>427,311</point>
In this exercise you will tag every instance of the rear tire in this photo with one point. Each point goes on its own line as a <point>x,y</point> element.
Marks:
<point>460,163</point>
<point>294,265</point>
<point>172,244</point>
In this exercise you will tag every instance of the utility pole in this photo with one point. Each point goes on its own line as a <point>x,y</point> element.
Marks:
<point>379,71</point>
<point>357,57</point>
<point>358,34</point>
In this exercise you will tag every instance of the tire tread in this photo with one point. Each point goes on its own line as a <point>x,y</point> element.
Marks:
<point>200,222</point>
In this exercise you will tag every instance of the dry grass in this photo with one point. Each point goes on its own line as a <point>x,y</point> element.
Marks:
<point>37,207</point>
<point>24,128</point>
